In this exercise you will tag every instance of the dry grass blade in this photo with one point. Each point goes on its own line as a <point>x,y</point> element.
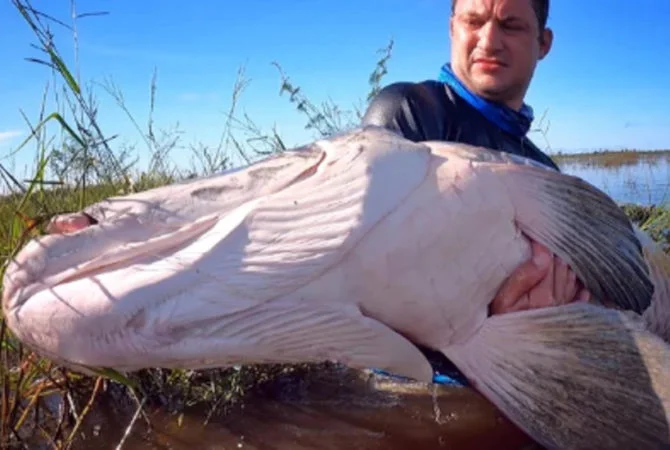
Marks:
<point>129,428</point>
<point>80,419</point>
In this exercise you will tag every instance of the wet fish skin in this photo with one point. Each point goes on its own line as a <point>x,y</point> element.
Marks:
<point>357,250</point>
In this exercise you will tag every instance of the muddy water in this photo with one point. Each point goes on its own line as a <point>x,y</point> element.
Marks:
<point>337,410</point>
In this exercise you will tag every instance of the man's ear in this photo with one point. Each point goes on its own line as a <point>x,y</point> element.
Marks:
<point>547,39</point>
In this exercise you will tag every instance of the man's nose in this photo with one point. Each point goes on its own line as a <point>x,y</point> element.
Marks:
<point>490,37</point>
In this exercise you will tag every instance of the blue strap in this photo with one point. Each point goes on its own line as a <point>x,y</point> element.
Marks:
<point>438,378</point>
<point>514,122</point>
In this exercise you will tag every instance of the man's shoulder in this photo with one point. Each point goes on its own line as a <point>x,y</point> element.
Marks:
<point>429,93</point>
<point>414,88</point>
<point>419,110</point>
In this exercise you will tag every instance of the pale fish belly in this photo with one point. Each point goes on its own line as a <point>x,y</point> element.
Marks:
<point>431,267</point>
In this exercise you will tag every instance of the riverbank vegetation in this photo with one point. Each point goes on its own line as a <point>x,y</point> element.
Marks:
<point>611,158</point>
<point>77,163</point>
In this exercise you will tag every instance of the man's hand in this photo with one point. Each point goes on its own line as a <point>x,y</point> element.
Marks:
<point>544,280</point>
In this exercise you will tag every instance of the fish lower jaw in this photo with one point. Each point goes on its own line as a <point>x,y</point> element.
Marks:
<point>16,281</point>
<point>44,348</point>
<point>23,270</point>
<point>8,294</point>
<point>21,285</point>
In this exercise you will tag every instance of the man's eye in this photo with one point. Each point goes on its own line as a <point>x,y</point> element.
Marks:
<point>474,22</point>
<point>514,26</point>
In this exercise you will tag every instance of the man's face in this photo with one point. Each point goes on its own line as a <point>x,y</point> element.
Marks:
<point>495,45</point>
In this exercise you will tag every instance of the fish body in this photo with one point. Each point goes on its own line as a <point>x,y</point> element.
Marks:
<point>357,227</point>
<point>356,249</point>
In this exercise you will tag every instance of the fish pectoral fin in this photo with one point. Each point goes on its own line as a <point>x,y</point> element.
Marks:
<point>583,226</point>
<point>285,332</point>
<point>573,376</point>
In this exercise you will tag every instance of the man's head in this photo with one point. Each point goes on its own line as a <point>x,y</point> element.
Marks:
<point>496,44</point>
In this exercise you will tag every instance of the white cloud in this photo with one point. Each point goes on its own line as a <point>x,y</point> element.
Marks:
<point>9,135</point>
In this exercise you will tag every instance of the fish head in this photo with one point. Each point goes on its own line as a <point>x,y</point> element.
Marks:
<point>144,227</point>
<point>115,232</point>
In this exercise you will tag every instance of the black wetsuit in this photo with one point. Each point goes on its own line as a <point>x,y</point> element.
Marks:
<point>431,110</point>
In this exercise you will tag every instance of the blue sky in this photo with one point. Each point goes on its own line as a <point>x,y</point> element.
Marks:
<point>604,83</point>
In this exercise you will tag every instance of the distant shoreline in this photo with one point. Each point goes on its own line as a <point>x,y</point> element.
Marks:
<point>609,158</point>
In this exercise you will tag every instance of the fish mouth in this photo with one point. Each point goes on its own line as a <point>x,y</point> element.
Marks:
<point>25,274</point>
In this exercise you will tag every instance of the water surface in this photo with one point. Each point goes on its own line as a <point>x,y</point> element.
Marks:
<point>645,182</point>
<point>338,409</point>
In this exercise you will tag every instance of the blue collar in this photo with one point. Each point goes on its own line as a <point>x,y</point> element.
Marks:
<point>514,122</point>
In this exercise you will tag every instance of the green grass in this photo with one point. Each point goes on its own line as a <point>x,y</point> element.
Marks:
<point>78,164</point>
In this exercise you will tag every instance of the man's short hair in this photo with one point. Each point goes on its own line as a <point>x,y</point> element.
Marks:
<point>541,8</point>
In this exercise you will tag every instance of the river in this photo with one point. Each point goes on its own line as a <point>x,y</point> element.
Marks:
<point>336,409</point>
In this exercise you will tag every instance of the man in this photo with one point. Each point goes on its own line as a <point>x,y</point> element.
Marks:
<point>478,99</point>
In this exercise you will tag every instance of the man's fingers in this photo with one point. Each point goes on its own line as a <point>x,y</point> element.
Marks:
<point>544,280</point>
<point>574,287</point>
<point>561,279</point>
<point>522,280</point>
<point>566,285</point>
<point>520,304</point>
<point>583,295</point>
<point>542,294</point>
